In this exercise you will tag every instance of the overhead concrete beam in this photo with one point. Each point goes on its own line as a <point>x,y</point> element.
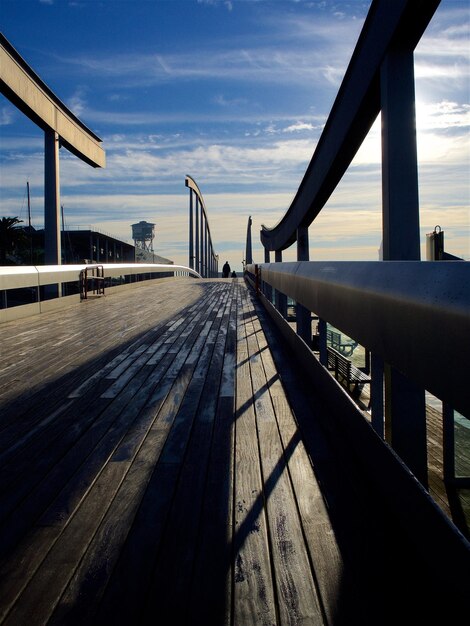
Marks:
<point>23,87</point>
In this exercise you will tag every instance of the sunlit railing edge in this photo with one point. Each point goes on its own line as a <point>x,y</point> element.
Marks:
<point>441,542</point>
<point>38,277</point>
<point>408,312</point>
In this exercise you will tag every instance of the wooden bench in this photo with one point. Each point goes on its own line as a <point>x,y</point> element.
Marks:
<point>346,372</point>
<point>334,338</point>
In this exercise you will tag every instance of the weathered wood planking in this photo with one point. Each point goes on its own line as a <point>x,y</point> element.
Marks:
<point>297,596</point>
<point>170,467</point>
<point>254,597</point>
<point>89,470</point>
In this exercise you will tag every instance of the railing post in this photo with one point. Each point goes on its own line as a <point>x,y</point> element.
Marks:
<point>322,343</point>
<point>268,290</point>
<point>303,315</point>
<point>377,394</point>
<point>281,298</point>
<point>405,402</point>
<point>448,443</point>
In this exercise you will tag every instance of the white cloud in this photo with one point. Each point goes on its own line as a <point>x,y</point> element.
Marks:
<point>77,102</point>
<point>7,115</point>
<point>298,126</point>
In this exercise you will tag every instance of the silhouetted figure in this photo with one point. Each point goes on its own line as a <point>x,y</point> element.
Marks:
<point>226,270</point>
<point>234,274</point>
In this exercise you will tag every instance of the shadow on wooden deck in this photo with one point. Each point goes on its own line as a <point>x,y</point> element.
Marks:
<point>184,476</point>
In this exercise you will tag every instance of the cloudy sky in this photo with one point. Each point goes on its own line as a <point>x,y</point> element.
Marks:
<point>235,94</point>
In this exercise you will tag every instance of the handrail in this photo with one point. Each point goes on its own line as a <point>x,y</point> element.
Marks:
<point>388,24</point>
<point>16,277</point>
<point>415,315</point>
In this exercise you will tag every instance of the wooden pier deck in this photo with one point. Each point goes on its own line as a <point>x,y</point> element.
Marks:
<point>163,462</point>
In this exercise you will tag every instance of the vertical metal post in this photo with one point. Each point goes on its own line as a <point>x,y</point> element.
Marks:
<point>377,394</point>
<point>322,343</point>
<point>191,228</point>
<point>196,235</point>
<point>268,290</point>
<point>201,243</point>
<point>405,402</point>
<point>249,249</point>
<point>448,441</point>
<point>281,298</point>
<point>303,315</point>
<point>206,250</point>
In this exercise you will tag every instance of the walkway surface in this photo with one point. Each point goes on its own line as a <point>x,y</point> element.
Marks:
<point>162,462</point>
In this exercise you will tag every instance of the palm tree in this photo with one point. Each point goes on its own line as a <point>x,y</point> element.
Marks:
<point>10,235</point>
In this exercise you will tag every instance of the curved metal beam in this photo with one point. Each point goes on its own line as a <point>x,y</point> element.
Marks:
<point>353,113</point>
<point>204,236</point>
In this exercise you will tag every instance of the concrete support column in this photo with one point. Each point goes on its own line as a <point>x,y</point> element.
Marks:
<point>400,199</point>
<point>303,315</point>
<point>52,247</point>
<point>405,409</point>
<point>281,298</point>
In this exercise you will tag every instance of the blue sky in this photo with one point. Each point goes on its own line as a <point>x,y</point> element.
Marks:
<point>235,94</point>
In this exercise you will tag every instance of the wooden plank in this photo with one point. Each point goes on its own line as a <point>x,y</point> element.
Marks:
<point>106,544</point>
<point>254,598</point>
<point>73,428</point>
<point>211,589</point>
<point>297,596</point>
<point>124,403</point>
<point>323,549</point>
<point>168,594</point>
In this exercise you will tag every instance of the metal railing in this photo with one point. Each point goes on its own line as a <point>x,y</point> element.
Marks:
<point>415,316</point>
<point>37,279</point>
<point>424,350</point>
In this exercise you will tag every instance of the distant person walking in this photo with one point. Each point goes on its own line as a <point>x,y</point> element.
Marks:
<point>226,270</point>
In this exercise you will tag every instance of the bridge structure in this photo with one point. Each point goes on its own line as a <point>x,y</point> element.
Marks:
<point>195,460</point>
<point>25,89</point>
<point>202,256</point>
